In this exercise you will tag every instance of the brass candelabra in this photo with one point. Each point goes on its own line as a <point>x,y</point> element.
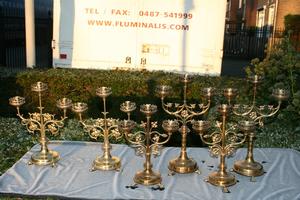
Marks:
<point>101,127</point>
<point>42,123</point>
<point>254,115</point>
<point>222,142</point>
<point>184,114</point>
<point>146,140</point>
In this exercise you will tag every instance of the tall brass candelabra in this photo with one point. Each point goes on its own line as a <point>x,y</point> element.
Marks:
<point>147,141</point>
<point>223,142</point>
<point>184,114</point>
<point>42,123</point>
<point>254,115</point>
<point>101,127</point>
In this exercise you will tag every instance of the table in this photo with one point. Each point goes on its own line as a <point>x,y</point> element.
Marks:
<point>72,178</point>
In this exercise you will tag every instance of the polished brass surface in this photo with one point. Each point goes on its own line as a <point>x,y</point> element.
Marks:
<point>101,127</point>
<point>184,114</point>
<point>222,179</point>
<point>248,167</point>
<point>146,140</point>
<point>222,142</point>
<point>42,123</point>
<point>254,115</point>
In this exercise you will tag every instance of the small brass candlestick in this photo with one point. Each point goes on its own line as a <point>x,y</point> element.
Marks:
<point>248,167</point>
<point>184,114</point>
<point>42,123</point>
<point>256,115</point>
<point>147,142</point>
<point>223,142</point>
<point>101,127</point>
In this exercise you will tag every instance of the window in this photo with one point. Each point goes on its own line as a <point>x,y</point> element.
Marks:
<point>271,15</point>
<point>240,3</point>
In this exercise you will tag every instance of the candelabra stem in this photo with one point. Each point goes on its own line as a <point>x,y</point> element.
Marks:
<point>183,154</point>
<point>104,116</point>
<point>183,164</point>
<point>43,141</point>
<point>147,164</point>
<point>249,167</point>
<point>184,93</point>
<point>222,167</point>
<point>128,115</point>
<point>249,156</point>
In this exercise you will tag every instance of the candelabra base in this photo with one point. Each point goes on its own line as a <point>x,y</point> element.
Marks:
<point>147,178</point>
<point>248,168</point>
<point>44,158</point>
<point>183,166</point>
<point>223,179</point>
<point>106,164</point>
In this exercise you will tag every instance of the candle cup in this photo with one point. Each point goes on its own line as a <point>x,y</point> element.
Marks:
<point>163,90</point>
<point>224,108</point>
<point>170,126</point>
<point>64,103</point>
<point>17,101</point>
<point>127,106</point>
<point>255,79</point>
<point>103,92</point>
<point>280,94</point>
<point>200,125</point>
<point>126,125</point>
<point>39,87</point>
<point>208,92</point>
<point>230,93</point>
<point>79,107</point>
<point>186,78</point>
<point>148,109</point>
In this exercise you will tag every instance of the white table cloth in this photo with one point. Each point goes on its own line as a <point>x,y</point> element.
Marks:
<point>72,178</point>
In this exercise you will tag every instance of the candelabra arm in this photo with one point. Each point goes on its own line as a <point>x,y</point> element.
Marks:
<point>31,124</point>
<point>48,125</point>
<point>156,141</point>
<point>246,112</point>
<point>236,143</point>
<point>174,113</point>
<point>273,112</point>
<point>216,141</point>
<point>21,116</point>
<point>205,108</point>
<point>116,134</point>
<point>136,142</point>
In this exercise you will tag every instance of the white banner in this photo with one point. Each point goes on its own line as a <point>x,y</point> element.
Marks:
<point>171,35</point>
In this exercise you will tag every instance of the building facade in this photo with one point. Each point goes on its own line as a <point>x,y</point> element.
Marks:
<point>260,13</point>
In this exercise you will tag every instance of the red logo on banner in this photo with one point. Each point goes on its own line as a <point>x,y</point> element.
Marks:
<point>63,56</point>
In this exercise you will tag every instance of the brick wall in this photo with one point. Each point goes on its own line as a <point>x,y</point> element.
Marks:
<point>251,9</point>
<point>286,7</point>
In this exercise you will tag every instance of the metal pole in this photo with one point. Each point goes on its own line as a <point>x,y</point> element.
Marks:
<point>30,33</point>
